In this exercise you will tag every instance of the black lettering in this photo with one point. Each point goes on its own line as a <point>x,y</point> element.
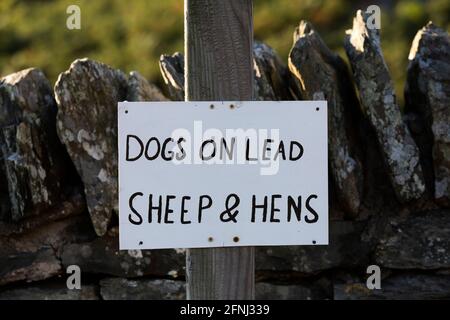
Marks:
<point>230,151</point>
<point>204,143</point>
<point>280,150</point>
<point>158,145</point>
<point>151,208</point>
<point>300,152</point>
<point>202,207</point>
<point>183,152</point>
<point>168,210</point>
<point>247,152</point>
<point>183,210</point>
<point>141,144</point>
<point>262,206</point>
<point>273,210</point>
<point>228,215</point>
<point>130,203</point>
<point>310,209</point>
<point>266,148</point>
<point>169,155</point>
<point>296,206</point>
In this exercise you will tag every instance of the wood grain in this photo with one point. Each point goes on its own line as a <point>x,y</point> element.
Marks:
<point>219,66</point>
<point>219,40</point>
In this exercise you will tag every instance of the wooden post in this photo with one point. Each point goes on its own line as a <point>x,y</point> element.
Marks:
<point>219,66</point>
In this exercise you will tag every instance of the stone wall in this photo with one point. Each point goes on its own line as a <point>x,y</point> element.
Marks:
<point>389,176</point>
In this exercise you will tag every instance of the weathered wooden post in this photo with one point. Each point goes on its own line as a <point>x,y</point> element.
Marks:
<point>218,49</point>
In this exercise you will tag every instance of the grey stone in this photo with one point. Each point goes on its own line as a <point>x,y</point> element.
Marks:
<point>27,265</point>
<point>74,206</point>
<point>378,100</point>
<point>142,289</point>
<point>427,95</point>
<point>419,241</point>
<point>323,75</point>
<point>162,289</point>
<point>102,256</point>
<point>139,89</point>
<point>269,291</point>
<point>87,96</point>
<point>397,287</point>
<point>51,292</point>
<point>172,70</point>
<point>5,202</point>
<point>35,169</point>
<point>34,255</point>
<point>272,78</point>
<point>346,249</point>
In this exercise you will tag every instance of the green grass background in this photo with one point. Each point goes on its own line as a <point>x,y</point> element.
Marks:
<point>132,34</point>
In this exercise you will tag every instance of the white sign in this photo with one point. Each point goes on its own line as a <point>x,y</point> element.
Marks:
<point>213,174</point>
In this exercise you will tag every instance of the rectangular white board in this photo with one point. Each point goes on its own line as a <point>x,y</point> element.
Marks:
<point>270,163</point>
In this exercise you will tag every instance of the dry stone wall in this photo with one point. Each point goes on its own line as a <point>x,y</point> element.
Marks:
<point>389,176</point>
